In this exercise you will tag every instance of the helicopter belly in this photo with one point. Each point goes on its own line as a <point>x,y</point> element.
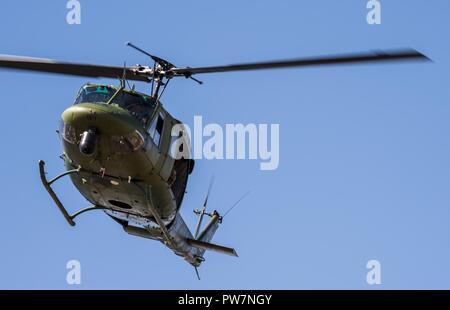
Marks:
<point>127,197</point>
<point>120,183</point>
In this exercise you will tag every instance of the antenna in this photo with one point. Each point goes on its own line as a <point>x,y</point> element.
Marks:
<point>236,203</point>
<point>123,80</point>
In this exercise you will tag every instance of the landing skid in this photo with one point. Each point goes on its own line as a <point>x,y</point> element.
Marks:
<point>47,184</point>
<point>70,217</point>
<point>179,239</point>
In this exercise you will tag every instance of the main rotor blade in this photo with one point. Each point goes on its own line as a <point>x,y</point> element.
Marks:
<point>367,57</point>
<point>53,66</point>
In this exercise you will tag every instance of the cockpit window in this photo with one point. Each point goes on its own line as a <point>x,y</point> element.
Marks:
<point>95,94</point>
<point>140,106</point>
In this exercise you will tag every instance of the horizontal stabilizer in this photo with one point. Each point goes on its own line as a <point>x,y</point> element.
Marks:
<point>212,247</point>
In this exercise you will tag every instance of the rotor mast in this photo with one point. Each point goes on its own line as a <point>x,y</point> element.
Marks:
<point>158,74</point>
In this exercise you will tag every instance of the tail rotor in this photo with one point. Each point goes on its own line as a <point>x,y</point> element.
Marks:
<point>201,213</point>
<point>201,240</point>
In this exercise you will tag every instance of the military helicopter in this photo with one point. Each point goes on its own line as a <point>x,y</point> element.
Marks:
<point>117,145</point>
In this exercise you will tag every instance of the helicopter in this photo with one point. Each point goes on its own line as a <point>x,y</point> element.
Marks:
<point>117,145</point>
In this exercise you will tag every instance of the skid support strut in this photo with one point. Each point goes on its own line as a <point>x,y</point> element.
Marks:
<point>47,184</point>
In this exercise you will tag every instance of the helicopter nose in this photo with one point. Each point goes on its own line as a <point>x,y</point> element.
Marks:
<point>91,120</point>
<point>90,127</point>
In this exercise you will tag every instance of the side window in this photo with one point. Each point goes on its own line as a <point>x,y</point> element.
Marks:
<point>156,129</point>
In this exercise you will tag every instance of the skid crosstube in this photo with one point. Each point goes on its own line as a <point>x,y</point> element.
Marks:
<point>47,184</point>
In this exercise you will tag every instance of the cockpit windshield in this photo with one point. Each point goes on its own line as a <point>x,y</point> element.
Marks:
<point>139,105</point>
<point>95,94</point>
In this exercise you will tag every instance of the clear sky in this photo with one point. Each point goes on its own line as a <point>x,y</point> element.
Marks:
<point>364,153</point>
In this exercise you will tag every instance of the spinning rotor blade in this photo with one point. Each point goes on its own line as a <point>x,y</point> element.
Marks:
<point>211,182</point>
<point>168,70</point>
<point>53,66</point>
<point>376,56</point>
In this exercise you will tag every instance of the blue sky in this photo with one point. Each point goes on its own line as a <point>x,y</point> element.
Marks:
<point>364,151</point>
